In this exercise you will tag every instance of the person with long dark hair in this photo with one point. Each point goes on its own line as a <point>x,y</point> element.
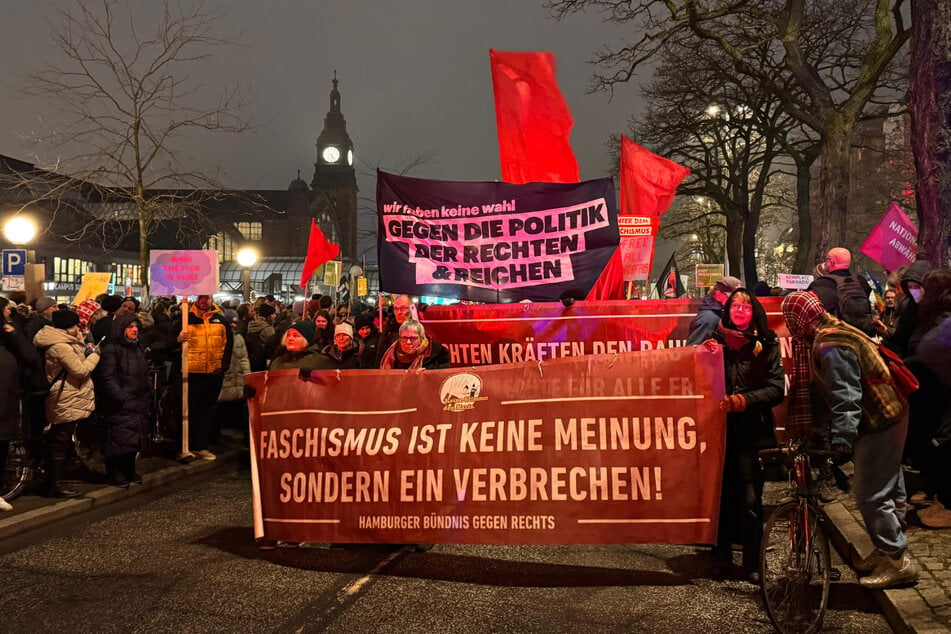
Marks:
<point>754,385</point>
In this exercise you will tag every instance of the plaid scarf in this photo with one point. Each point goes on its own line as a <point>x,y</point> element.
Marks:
<point>802,311</point>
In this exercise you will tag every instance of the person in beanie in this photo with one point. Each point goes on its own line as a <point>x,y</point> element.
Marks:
<point>344,352</point>
<point>71,397</point>
<point>102,330</point>
<point>711,310</point>
<point>369,339</point>
<point>43,310</point>
<point>210,342</point>
<point>869,421</point>
<point>125,394</point>
<point>298,351</point>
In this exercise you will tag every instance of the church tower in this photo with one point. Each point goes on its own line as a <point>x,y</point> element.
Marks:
<point>334,186</point>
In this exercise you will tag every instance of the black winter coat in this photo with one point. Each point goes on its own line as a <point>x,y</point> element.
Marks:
<point>21,370</point>
<point>760,379</point>
<point>124,393</point>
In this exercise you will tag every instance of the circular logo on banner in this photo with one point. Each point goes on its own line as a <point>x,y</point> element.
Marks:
<point>460,392</point>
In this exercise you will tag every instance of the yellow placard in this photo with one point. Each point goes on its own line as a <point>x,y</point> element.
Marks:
<point>362,290</point>
<point>332,272</point>
<point>94,284</point>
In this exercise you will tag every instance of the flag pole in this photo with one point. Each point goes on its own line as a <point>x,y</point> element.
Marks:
<point>185,451</point>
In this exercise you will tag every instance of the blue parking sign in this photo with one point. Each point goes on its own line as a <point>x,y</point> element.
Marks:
<point>14,262</point>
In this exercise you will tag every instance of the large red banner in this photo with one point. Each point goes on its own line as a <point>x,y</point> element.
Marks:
<point>583,450</point>
<point>512,333</point>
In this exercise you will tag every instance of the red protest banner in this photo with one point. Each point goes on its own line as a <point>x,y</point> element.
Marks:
<point>594,449</point>
<point>512,333</point>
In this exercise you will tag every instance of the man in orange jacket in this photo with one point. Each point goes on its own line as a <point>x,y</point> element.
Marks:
<point>210,342</point>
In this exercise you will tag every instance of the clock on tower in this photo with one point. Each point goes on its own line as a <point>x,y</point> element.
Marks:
<point>334,187</point>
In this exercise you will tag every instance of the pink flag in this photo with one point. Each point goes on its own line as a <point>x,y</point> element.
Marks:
<point>893,243</point>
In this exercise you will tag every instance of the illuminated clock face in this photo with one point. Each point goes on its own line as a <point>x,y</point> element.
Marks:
<point>331,154</point>
<point>349,157</point>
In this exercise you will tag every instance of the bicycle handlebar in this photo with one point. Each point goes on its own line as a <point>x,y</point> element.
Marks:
<point>794,449</point>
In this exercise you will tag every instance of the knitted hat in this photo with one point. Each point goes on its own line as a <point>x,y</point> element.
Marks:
<point>44,303</point>
<point>344,328</point>
<point>727,284</point>
<point>65,319</point>
<point>111,303</point>
<point>86,309</point>
<point>266,310</point>
<point>363,320</point>
<point>306,328</point>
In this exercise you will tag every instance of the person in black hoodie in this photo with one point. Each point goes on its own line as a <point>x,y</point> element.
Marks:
<point>103,327</point>
<point>754,385</point>
<point>344,352</point>
<point>126,397</point>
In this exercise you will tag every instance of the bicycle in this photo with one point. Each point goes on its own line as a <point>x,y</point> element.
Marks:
<point>795,562</point>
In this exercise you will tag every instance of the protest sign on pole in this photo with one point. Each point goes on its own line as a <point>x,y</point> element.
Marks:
<point>800,282</point>
<point>708,274</point>
<point>183,273</point>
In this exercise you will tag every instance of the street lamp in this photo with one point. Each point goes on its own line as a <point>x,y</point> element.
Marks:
<point>19,230</point>
<point>247,257</point>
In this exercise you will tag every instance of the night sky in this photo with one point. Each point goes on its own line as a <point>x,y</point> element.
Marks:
<point>414,79</point>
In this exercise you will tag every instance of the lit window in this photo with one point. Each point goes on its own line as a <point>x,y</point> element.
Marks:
<point>249,230</point>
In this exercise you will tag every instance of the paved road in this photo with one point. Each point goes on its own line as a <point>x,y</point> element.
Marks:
<point>186,562</point>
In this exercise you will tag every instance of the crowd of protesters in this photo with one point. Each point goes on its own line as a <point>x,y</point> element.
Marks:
<point>59,365</point>
<point>109,359</point>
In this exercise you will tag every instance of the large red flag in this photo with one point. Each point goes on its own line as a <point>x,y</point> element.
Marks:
<point>533,120</point>
<point>318,252</point>
<point>648,185</point>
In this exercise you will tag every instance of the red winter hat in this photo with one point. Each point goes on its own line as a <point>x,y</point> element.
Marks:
<point>85,310</point>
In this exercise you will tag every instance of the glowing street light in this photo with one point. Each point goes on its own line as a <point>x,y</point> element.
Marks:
<point>247,257</point>
<point>19,230</point>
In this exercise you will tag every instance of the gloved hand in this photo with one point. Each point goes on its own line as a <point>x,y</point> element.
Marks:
<point>841,453</point>
<point>248,392</point>
<point>733,403</point>
<point>710,345</point>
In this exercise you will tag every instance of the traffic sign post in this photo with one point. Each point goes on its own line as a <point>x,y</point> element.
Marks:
<point>14,262</point>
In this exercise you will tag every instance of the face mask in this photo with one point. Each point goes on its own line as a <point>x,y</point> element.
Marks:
<point>916,294</point>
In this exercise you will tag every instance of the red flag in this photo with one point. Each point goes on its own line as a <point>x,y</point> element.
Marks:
<point>893,242</point>
<point>533,120</point>
<point>648,185</point>
<point>648,181</point>
<point>318,252</point>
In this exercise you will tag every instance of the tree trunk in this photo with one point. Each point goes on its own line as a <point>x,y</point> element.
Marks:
<point>734,243</point>
<point>143,252</point>
<point>830,222</point>
<point>805,255</point>
<point>750,228</point>
<point>930,105</point>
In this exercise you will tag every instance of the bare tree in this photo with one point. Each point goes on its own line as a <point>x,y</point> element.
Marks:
<point>826,87</point>
<point>124,81</point>
<point>930,103</point>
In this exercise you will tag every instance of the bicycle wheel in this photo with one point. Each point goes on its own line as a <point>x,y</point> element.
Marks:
<point>18,471</point>
<point>794,568</point>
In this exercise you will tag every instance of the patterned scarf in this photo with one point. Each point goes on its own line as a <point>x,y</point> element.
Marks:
<point>802,311</point>
<point>736,339</point>
<point>413,359</point>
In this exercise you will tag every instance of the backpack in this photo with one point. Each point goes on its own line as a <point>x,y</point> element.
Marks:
<point>903,380</point>
<point>853,307</point>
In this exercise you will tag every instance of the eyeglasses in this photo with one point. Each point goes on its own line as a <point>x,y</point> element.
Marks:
<point>743,308</point>
<point>409,339</point>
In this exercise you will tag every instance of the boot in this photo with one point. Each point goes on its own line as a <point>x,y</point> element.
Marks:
<point>128,469</point>
<point>114,472</point>
<point>55,486</point>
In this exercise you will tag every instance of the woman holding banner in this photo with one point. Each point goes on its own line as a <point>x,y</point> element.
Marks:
<point>754,385</point>
<point>414,351</point>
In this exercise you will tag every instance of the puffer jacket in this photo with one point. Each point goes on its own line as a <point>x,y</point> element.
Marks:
<point>209,341</point>
<point>232,389</point>
<point>125,392</point>
<point>72,398</point>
